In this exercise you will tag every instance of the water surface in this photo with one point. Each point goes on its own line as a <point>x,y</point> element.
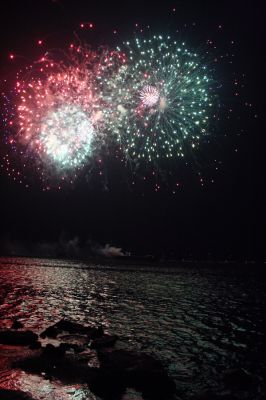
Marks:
<point>198,321</point>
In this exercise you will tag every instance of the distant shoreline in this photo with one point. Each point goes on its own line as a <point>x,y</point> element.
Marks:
<point>138,262</point>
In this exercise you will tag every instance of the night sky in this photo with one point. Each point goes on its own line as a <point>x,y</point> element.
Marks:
<point>220,219</point>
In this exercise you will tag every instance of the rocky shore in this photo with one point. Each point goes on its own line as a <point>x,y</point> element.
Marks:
<point>87,355</point>
<point>77,354</point>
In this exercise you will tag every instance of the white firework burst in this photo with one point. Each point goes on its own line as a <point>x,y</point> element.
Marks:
<point>149,96</point>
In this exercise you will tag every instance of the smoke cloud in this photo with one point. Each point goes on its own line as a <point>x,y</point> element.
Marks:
<point>63,247</point>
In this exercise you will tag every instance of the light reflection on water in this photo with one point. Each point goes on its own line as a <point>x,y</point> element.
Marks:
<point>197,321</point>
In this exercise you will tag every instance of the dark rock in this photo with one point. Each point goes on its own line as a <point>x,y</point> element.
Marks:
<point>240,379</point>
<point>19,338</point>
<point>71,346</point>
<point>123,359</point>
<point>99,332</point>
<point>120,369</point>
<point>41,365</point>
<point>73,328</point>
<point>16,324</point>
<point>79,340</point>
<point>67,369</point>
<point>53,352</point>
<point>51,332</point>
<point>109,385</point>
<point>35,346</point>
<point>105,341</point>
<point>14,395</point>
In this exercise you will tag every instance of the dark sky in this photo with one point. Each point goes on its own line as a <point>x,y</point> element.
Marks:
<point>224,218</point>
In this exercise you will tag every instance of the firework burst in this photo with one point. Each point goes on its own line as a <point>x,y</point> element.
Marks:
<point>153,97</point>
<point>163,100</point>
<point>55,117</point>
<point>66,136</point>
<point>57,113</point>
<point>149,96</point>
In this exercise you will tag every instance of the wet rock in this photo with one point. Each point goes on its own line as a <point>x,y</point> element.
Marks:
<point>73,328</point>
<point>94,333</point>
<point>89,356</point>
<point>52,351</point>
<point>120,369</point>
<point>16,324</point>
<point>19,338</point>
<point>99,331</point>
<point>35,346</point>
<point>108,385</point>
<point>240,379</point>
<point>67,369</point>
<point>79,340</point>
<point>105,341</point>
<point>50,332</point>
<point>71,346</point>
<point>14,395</point>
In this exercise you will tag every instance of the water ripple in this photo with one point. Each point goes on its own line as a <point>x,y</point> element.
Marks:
<point>198,322</point>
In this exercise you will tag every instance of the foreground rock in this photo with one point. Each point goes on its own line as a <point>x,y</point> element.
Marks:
<point>18,338</point>
<point>16,324</point>
<point>14,395</point>
<point>104,341</point>
<point>35,345</point>
<point>120,369</point>
<point>52,352</point>
<point>73,361</point>
<point>72,328</point>
<point>52,363</point>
